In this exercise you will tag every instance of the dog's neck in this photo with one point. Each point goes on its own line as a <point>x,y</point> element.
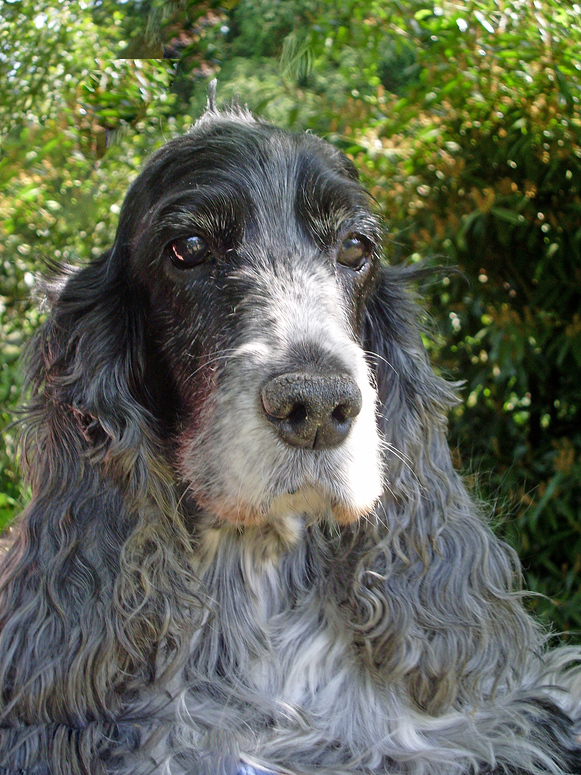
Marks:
<point>263,545</point>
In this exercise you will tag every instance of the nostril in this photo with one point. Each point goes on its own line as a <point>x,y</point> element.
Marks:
<point>341,413</point>
<point>297,415</point>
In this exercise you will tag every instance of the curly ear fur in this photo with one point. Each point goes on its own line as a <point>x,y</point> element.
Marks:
<point>436,594</point>
<point>95,594</point>
<point>440,597</point>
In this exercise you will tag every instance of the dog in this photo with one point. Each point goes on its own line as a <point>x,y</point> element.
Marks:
<point>247,548</point>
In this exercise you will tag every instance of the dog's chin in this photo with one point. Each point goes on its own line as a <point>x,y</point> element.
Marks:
<point>310,503</point>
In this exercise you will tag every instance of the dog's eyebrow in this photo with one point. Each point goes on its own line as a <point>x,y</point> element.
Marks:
<point>211,208</point>
<point>329,204</point>
<point>327,186</point>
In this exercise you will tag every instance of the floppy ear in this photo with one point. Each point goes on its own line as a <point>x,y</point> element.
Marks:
<point>86,370</point>
<point>434,591</point>
<point>95,594</point>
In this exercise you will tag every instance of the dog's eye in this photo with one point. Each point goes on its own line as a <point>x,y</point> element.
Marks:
<point>354,252</point>
<point>189,252</point>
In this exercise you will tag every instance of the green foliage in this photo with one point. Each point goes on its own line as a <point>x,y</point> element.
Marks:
<point>259,27</point>
<point>465,120</point>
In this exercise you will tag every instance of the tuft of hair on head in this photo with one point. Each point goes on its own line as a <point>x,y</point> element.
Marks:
<point>229,112</point>
<point>211,101</point>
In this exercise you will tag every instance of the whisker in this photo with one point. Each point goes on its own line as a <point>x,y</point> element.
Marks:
<point>220,356</point>
<point>379,357</point>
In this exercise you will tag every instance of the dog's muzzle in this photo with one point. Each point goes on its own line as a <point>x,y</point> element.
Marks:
<point>311,411</point>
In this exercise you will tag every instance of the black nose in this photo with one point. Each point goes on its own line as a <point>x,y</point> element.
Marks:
<point>311,410</point>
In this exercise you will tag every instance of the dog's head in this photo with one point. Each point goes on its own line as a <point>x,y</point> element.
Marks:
<point>232,316</point>
<point>255,249</point>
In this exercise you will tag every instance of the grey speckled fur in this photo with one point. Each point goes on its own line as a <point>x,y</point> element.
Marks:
<point>186,593</point>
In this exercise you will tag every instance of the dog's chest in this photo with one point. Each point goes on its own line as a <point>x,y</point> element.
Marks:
<point>271,629</point>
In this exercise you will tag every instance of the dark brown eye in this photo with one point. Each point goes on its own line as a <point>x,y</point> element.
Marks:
<point>354,252</point>
<point>189,252</point>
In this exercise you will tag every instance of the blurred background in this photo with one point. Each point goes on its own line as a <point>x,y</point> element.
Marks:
<point>465,122</point>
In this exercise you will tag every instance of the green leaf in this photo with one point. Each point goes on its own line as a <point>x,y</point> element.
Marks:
<point>507,215</point>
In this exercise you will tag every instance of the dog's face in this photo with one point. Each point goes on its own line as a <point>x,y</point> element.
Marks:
<point>255,249</point>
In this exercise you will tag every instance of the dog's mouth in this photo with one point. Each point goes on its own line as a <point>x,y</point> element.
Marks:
<point>311,502</point>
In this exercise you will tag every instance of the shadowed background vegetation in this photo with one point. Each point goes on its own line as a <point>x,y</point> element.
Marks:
<point>464,119</point>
